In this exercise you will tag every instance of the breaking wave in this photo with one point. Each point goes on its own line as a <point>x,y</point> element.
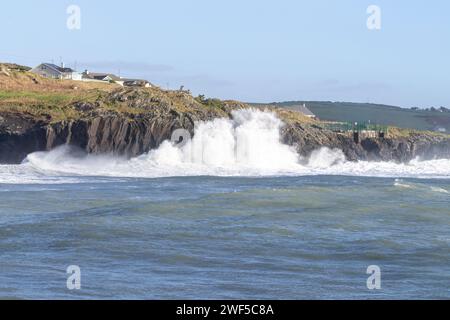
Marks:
<point>246,145</point>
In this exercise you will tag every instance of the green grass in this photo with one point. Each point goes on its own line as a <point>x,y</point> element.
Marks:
<point>57,105</point>
<point>38,97</point>
<point>210,102</point>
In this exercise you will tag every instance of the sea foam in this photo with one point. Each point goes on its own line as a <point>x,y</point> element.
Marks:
<point>246,145</point>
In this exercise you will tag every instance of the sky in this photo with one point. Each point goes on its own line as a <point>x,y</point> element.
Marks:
<point>252,50</point>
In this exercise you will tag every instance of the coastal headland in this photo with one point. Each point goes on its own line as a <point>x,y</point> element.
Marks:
<point>39,114</point>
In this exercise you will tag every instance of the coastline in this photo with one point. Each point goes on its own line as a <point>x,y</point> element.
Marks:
<point>38,114</point>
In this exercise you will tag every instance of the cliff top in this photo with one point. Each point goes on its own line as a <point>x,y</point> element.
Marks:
<point>57,100</point>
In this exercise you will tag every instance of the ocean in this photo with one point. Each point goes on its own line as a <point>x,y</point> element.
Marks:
<point>232,214</point>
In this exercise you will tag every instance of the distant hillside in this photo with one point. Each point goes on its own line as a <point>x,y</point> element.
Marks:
<point>376,113</point>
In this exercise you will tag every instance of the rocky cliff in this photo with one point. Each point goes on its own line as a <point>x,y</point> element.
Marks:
<point>132,121</point>
<point>398,148</point>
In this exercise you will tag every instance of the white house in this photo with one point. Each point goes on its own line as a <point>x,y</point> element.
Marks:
<point>303,109</point>
<point>108,77</point>
<point>50,70</point>
<point>77,76</point>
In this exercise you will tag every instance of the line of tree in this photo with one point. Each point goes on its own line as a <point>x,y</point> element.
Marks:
<point>432,109</point>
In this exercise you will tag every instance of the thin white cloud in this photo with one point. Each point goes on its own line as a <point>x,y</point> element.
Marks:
<point>127,66</point>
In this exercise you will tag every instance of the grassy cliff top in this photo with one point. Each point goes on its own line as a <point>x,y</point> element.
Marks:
<point>22,91</point>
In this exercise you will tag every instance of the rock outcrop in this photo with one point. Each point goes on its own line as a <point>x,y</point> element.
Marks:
<point>425,145</point>
<point>20,134</point>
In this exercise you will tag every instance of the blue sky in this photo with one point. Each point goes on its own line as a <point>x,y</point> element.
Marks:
<point>259,51</point>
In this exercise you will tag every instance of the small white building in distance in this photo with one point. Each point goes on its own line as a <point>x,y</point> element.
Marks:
<point>50,70</point>
<point>104,77</point>
<point>303,109</point>
<point>109,77</point>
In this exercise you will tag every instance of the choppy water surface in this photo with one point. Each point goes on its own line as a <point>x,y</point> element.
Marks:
<point>230,237</point>
<point>232,214</point>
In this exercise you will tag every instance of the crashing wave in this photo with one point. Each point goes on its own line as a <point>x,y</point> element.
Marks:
<point>249,144</point>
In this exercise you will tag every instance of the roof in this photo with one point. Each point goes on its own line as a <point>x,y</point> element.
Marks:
<point>303,109</point>
<point>114,77</point>
<point>101,76</point>
<point>59,69</point>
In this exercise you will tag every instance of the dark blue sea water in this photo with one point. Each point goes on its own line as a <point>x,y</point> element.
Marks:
<point>226,238</point>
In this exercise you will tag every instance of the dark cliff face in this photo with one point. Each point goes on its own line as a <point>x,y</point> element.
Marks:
<point>97,133</point>
<point>20,135</point>
<point>102,134</point>
<point>400,149</point>
<point>114,134</point>
<point>108,134</point>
